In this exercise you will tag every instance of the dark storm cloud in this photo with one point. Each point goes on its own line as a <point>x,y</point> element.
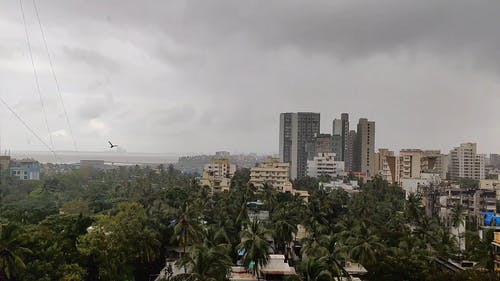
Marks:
<point>172,73</point>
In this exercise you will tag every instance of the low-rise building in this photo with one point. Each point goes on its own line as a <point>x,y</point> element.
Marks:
<point>491,184</point>
<point>277,268</point>
<point>26,169</point>
<point>324,164</point>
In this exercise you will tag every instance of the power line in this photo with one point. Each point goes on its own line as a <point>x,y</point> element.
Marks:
<point>54,75</point>
<point>28,127</point>
<point>36,74</point>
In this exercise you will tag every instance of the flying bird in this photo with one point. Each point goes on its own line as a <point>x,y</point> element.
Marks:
<point>112,145</point>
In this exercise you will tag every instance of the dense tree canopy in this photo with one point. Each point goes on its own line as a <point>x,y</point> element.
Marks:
<point>122,224</point>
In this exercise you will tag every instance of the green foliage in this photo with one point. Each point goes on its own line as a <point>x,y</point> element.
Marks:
<point>254,241</point>
<point>123,224</point>
<point>306,183</point>
<point>11,252</point>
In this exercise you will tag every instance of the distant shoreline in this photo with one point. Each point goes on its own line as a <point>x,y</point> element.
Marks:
<point>70,157</point>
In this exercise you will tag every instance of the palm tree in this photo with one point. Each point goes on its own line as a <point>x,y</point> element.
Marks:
<point>315,269</point>
<point>413,209</point>
<point>187,229</point>
<point>285,227</point>
<point>206,264</point>
<point>457,220</point>
<point>444,243</point>
<point>363,245</point>
<point>11,252</point>
<point>254,243</point>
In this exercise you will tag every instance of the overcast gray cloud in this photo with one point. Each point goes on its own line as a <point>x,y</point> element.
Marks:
<point>179,76</point>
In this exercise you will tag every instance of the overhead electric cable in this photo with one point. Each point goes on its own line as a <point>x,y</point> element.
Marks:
<point>28,127</point>
<point>36,75</point>
<point>54,75</point>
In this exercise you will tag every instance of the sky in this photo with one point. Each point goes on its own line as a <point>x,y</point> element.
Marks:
<point>202,76</point>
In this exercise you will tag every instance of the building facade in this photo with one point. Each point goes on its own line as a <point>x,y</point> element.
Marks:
<point>325,164</point>
<point>273,173</point>
<point>349,157</point>
<point>26,169</point>
<point>364,147</point>
<point>297,130</point>
<point>217,174</point>
<point>385,164</point>
<point>410,163</point>
<point>465,162</point>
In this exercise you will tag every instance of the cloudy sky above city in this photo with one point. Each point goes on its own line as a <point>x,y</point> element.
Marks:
<point>201,76</point>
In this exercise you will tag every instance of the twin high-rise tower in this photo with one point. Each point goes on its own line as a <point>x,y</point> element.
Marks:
<point>300,139</point>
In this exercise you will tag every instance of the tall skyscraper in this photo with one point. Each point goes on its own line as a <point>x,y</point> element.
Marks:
<point>345,133</point>
<point>364,147</point>
<point>341,129</point>
<point>349,157</point>
<point>466,163</point>
<point>297,130</point>
<point>285,145</point>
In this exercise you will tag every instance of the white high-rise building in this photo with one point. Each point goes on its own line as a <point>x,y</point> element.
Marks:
<point>324,164</point>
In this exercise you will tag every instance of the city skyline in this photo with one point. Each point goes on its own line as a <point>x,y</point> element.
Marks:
<point>192,77</point>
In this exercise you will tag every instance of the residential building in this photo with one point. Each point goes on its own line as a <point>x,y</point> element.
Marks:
<point>410,163</point>
<point>465,162</point>
<point>364,147</point>
<point>296,131</point>
<point>26,169</point>
<point>495,160</point>
<point>217,174</point>
<point>337,146</point>
<point>323,143</point>
<point>414,162</point>
<point>325,164</point>
<point>341,129</point>
<point>349,157</point>
<point>222,154</point>
<point>385,164</point>
<point>491,184</point>
<point>274,173</point>
<point>414,185</point>
<point>434,162</point>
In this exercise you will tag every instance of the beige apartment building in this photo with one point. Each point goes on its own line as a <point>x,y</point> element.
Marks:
<point>410,163</point>
<point>465,162</point>
<point>385,164</point>
<point>217,175</point>
<point>274,173</point>
<point>414,162</point>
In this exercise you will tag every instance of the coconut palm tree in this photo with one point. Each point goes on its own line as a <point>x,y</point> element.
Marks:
<point>254,241</point>
<point>413,209</point>
<point>11,252</point>
<point>187,229</point>
<point>206,264</point>
<point>457,220</point>
<point>363,245</point>
<point>284,229</point>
